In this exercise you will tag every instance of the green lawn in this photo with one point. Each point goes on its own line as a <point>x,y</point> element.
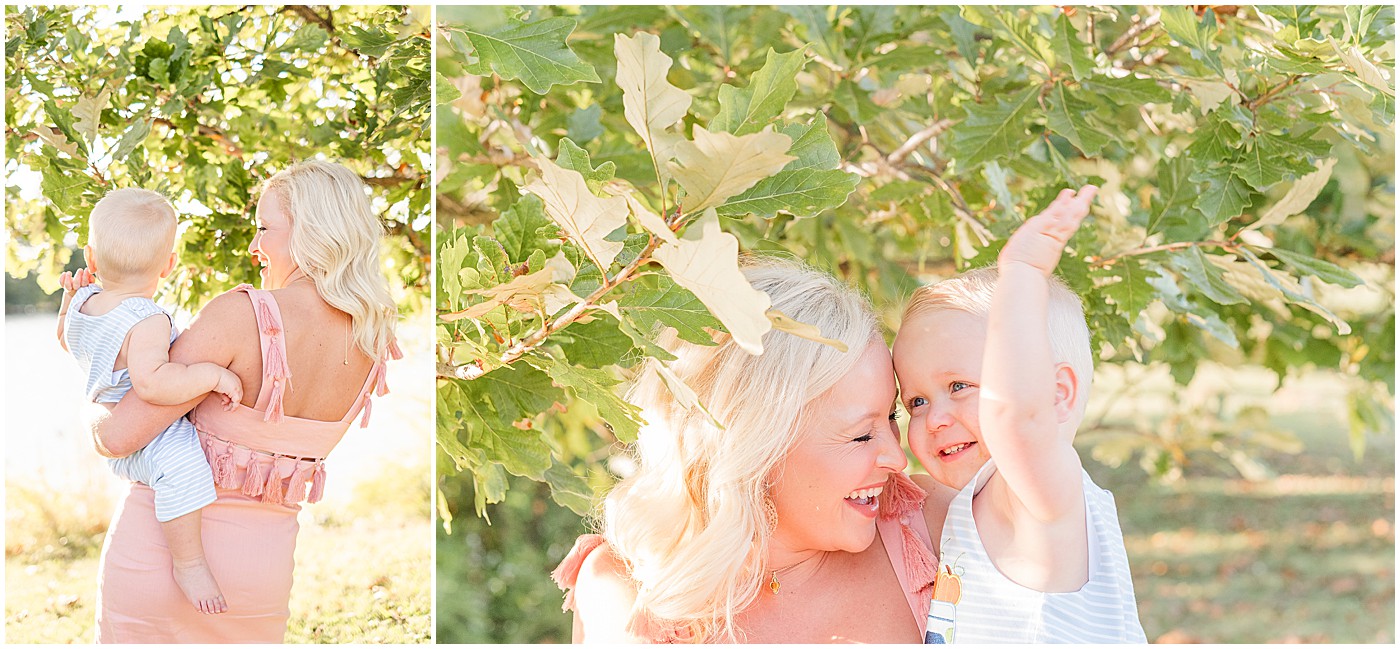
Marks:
<point>363,574</point>
<point>1306,557</point>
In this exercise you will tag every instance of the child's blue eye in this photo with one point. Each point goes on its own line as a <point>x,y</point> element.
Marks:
<point>916,402</point>
<point>958,385</point>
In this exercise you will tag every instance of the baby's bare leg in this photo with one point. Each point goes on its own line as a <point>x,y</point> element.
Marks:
<point>192,573</point>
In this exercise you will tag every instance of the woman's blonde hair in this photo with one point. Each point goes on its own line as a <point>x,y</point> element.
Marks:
<point>690,524</point>
<point>335,241</point>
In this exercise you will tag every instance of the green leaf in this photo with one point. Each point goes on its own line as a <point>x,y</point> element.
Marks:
<point>811,145</point>
<point>536,53</point>
<point>1069,50</point>
<point>1131,291</point>
<point>524,228</point>
<point>1205,276</point>
<point>446,92</point>
<point>763,99</point>
<point>994,131</point>
<point>65,188</point>
<point>668,304</point>
<point>569,489</point>
<point>1226,194</point>
<point>571,156</point>
<point>372,42</point>
<point>1180,21</point>
<point>1128,91</point>
<point>1071,117</point>
<point>132,138</point>
<point>799,192</point>
<point>1175,192</point>
<point>63,119</point>
<point>1323,270</point>
<point>1215,141</point>
<point>599,388</point>
<point>594,344</point>
<point>585,123</point>
<point>1268,160</point>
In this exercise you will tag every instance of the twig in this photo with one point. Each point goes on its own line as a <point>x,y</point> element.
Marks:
<point>916,140</point>
<point>1166,247</point>
<point>1130,36</point>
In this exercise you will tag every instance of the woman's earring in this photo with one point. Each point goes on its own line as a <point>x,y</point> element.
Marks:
<point>770,516</point>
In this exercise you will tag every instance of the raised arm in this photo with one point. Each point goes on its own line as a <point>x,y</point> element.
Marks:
<point>70,282</point>
<point>1025,396</point>
<point>212,338</point>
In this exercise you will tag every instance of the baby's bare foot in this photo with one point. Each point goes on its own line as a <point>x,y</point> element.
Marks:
<point>197,582</point>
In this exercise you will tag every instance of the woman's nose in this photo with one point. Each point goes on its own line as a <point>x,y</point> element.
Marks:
<point>892,453</point>
<point>253,247</point>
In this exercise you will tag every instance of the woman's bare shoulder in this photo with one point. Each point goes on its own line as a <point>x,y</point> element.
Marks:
<point>603,598</point>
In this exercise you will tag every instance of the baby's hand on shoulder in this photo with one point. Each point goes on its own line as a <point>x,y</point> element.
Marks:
<point>72,281</point>
<point>1041,239</point>
<point>230,389</point>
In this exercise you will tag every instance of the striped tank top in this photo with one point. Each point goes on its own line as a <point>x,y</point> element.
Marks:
<point>95,340</point>
<point>990,608</point>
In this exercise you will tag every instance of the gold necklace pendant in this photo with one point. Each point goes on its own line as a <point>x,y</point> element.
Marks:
<point>773,584</point>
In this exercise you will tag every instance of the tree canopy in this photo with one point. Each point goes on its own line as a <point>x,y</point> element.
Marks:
<point>202,104</point>
<point>601,166</point>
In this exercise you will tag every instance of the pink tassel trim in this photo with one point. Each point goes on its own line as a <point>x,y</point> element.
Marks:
<point>274,403</point>
<point>381,387</point>
<point>318,483</point>
<point>296,487</point>
<point>900,497</point>
<point>253,482</point>
<point>920,566</point>
<point>272,490</point>
<point>266,322</point>
<point>364,418</point>
<point>656,631</point>
<point>394,351</point>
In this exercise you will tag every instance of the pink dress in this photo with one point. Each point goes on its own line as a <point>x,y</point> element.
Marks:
<point>903,533</point>
<point>264,465</point>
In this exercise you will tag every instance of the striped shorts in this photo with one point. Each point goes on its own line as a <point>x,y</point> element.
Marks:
<point>174,466</point>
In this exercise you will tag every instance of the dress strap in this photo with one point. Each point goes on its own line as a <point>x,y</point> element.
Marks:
<point>905,535</point>
<point>277,376</point>
<point>375,384</point>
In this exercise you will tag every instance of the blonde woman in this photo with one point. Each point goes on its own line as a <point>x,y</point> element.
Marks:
<point>758,520</point>
<point>323,322</point>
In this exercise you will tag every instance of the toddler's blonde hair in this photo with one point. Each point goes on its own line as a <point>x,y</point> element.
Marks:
<point>971,292</point>
<point>335,241</point>
<point>132,233</point>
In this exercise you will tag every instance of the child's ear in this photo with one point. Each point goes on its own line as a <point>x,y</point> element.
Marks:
<point>169,265</point>
<point>1066,392</point>
<point>90,259</point>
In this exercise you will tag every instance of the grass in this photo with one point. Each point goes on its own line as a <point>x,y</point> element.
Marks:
<point>1307,556</point>
<point>363,571</point>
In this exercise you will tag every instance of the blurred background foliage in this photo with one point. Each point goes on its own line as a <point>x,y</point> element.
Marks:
<point>1238,270</point>
<point>203,105</point>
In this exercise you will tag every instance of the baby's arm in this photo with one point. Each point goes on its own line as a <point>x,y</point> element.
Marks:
<point>70,282</point>
<point>160,382</point>
<point>1024,395</point>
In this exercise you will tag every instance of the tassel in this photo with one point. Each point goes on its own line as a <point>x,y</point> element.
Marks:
<point>253,482</point>
<point>381,387</point>
<point>920,566</point>
<point>394,351</point>
<point>364,419</point>
<point>266,322</point>
<point>274,403</point>
<point>318,483</point>
<point>276,364</point>
<point>644,625</point>
<point>272,490</point>
<point>900,497</point>
<point>296,489</point>
<point>224,469</point>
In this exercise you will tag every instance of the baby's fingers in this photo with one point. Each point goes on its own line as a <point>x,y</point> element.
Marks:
<point>66,281</point>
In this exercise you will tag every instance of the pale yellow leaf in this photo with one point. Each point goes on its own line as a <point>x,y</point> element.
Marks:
<point>88,111</point>
<point>1365,70</point>
<point>1298,198</point>
<point>57,141</point>
<point>706,262</point>
<point>651,221</point>
<point>1209,93</point>
<point>649,102</point>
<point>585,217</point>
<point>541,290</point>
<point>716,166</point>
<point>782,322</point>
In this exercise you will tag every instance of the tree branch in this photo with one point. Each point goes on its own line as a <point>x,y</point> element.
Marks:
<point>916,140</point>
<point>1130,37</point>
<point>1166,247</point>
